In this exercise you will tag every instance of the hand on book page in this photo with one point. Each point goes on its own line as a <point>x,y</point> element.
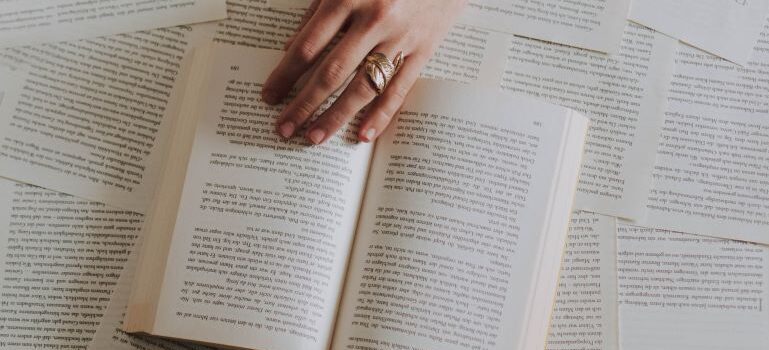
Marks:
<point>728,29</point>
<point>60,259</point>
<point>624,95</point>
<point>712,166</point>
<point>88,118</point>
<point>688,292</point>
<point>585,310</point>
<point>403,34</point>
<point>592,24</point>
<point>27,22</point>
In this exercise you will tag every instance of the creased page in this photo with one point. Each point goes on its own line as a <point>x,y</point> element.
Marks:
<point>624,96</point>
<point>62,257</point>
<point>592,24</point>
<point>687,292</point>
<point>32,22</point>
<point>89,117</point>
<point>726,28</point>
<point>265,226</point>
<point>585,312</point>
<point>109,334</point>
<point>453,225</point>
<point>712,171</point>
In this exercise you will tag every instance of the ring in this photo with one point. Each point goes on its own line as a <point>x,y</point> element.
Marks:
<point>380,69</point>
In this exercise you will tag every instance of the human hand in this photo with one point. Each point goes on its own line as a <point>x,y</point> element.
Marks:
<point>413,27</point>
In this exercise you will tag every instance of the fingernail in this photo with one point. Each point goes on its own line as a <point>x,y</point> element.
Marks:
<point>286,129</point>
<point>369,135</point>
<point>316,136</point>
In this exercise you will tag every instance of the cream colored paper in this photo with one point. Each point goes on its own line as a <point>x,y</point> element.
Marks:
<point>593,24</point>
<point>585,311</point>
<point>89,117</point>
<point>32,22</point>
<point>624,95</point>
<point>687,292</point>
<point>712,165</point>
<point>729,29</point>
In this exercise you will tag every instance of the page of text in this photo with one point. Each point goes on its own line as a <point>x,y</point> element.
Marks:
<point>727,28</point>
<point>89,117</point>
<point>624,97</point>
<point>585,312</point>
<point>60,262</point>
<point>451,229</point>
<point>686,292</point>
<point>592,24</point>
<point>265,225</point>
<point>712,171</point>
<point>32,22</point>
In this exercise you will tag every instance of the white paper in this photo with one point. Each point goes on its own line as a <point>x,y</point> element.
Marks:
<point>585,310</point>
<point>591,24</point>
<point>726,28</point>
<point>88,118</point>
<point>624,95</point>
<point>60,260</point>
<point>712,163</point>
<point>31,22</point>
<point>687,292</point>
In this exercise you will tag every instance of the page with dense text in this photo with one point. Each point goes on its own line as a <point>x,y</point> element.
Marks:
<point>712,171</point>
<point>60,260</point>
<point>624,95</point>
<point>585,311</point>
<point>265,225</point>
<point>455,220</point>
<point>88,119</point>
<point>593,24</point>
<point>33,22</point>
<point>687,292</point>
<point>729,29</point>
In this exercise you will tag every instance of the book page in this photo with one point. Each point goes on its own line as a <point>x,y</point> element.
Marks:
<point>32,22</point>
<point>593,24</point>
<point>455,228</point>
<point>264,226</point>
<point>585,311</point>
<point>61,258</point>
<point>712,162</point>
<point>624,95</point>
<point>729,29</point>
<point>466,55</point>
<point>687,292</point>
<point>89,117</point>
<point>110,336</point>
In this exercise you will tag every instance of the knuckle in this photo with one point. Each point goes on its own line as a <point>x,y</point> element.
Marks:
<point>332,75</point>
<point>398,93</point>
<point>303,110</point>
<point>306,51</point>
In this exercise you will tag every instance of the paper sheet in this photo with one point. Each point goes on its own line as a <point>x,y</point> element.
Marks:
<point>727,28</point>
<point>31,22</point>
<point>712,165</point>
<point>591,24</point>
<point>687,292</point>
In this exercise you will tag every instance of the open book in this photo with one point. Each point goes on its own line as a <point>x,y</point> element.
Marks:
<point>447,233</point>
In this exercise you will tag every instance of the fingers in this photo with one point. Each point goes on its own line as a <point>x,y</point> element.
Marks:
<point>341,62</point>
<point>385,107</point>
<point>304,51</point>
<point>306,18</point>
<point>359,93</point>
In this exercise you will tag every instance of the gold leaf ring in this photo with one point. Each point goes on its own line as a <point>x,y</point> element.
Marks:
<point>381,70</point>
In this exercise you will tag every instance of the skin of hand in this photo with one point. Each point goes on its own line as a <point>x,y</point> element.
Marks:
<point>413,27</point>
